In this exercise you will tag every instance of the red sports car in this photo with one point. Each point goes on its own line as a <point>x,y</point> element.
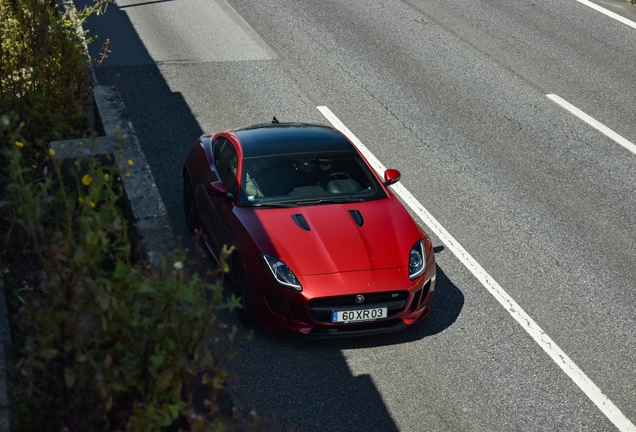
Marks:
<point>321,246</point>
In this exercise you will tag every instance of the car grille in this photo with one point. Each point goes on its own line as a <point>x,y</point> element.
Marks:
<point>320,308</point>
<point>377,327</point>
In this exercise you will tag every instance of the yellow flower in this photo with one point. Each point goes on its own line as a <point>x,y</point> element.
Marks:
<point>80,143</point>
<point>106,177</point>
<point>92,204</point>
<point>127,175</point>
<point>52,152</point>
<point>5,270</point>
<point>130,162</point>
<point>80,199</point>
<point>19,144</point>
<point>87,179</point>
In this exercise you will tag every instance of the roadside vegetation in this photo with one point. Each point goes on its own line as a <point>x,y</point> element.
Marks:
<point>100,341</point>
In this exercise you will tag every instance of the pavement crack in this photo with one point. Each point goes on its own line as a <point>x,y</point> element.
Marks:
<point>385,106</point>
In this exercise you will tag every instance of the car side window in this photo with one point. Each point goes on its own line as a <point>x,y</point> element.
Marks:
<point>226,160</point>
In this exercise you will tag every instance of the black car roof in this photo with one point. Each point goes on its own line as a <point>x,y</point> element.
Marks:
<point>271,139</point>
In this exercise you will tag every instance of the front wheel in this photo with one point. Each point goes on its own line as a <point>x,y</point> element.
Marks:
<point>241,288</point>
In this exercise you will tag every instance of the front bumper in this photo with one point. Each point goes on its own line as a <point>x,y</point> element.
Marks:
<point>308,313</point>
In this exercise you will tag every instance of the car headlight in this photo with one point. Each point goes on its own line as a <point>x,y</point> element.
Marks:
<point>282,273</point>
<point>417,260</point>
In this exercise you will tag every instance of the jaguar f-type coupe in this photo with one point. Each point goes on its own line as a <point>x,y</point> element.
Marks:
<point>320,245</point>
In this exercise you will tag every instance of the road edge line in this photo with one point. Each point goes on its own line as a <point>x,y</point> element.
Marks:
<point>592,391</point>
<point>607,12</point>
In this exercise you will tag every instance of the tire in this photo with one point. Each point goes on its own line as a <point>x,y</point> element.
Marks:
<point>189,206</point>
<point>241,288</point>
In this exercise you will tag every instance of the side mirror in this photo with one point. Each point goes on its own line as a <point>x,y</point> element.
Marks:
<point>391,176</point>
<point>217,188</point>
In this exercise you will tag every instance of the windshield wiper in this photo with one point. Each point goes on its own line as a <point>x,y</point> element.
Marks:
<point>290,204</point>
<point>332,201</point>
<point>273,204</point>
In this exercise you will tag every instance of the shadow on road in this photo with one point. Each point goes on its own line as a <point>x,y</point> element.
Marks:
<point>305,384</point>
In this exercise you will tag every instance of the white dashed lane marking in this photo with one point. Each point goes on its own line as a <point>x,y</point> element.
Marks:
<point>594,123</point>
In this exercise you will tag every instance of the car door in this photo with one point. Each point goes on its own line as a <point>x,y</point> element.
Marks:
<point>218,212</point>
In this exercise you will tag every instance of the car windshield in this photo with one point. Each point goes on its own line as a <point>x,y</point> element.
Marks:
<point>307,179</point>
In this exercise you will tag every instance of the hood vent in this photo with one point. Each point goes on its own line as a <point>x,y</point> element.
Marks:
<point>357,217</point>
<point>301,221</point>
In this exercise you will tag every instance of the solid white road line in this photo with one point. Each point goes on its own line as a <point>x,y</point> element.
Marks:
<point>532,328</point>
<point>594,123</point>
<point>608,13</point>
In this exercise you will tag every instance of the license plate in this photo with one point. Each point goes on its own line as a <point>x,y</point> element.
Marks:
<point>360,315</point>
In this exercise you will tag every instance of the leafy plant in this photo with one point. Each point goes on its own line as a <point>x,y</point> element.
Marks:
<point>110,344</point>
<point>44,77</point>
<point>103,342</point>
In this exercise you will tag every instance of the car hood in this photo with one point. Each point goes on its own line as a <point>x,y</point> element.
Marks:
<point>334,238</point>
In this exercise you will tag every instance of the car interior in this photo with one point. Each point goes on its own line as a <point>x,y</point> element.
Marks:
<point>306,177</point>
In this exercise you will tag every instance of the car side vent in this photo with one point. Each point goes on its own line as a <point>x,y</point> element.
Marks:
<point>357,217</point>
<point>301,221</point>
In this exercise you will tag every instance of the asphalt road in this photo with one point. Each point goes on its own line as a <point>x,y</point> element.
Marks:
<point>454,95</point>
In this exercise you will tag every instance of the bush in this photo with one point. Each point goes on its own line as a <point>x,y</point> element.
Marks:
<point>109,344</point>
<point>101,342</point>
<point>44,75</point>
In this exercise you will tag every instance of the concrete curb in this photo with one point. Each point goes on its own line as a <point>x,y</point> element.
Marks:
<point>146,211</point>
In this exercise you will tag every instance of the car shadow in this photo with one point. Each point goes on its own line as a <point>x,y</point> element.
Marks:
<point>307,384</point>
<point>292,383</point>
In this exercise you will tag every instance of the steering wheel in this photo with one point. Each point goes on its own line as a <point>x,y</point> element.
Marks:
<point>333,176</point>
